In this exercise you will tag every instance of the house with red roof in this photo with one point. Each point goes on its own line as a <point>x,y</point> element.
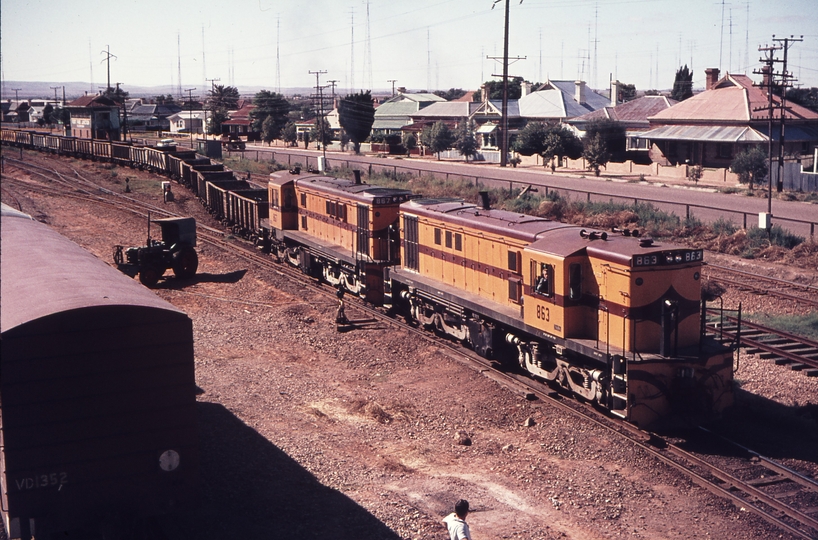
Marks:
<point>94,117</point>
<point>732,114</point>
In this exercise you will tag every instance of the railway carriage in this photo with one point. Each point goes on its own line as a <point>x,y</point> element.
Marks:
<point>615,319</point>
<point>342,231</point>
<point>52,143</point>
<point>98,422</point>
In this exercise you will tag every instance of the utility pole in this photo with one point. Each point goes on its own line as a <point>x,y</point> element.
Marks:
<point>767,81</point>
<point>16,95</point>
<point>786,82</point>
<point>320,97</point>
<point>124,115</point>
<point>504,128</point>
<point>212,92</point>
<point>332,84</point>
<point>55,92</point>
<point>190,115</point>
<point>107,58</point>
<point>393,81</point>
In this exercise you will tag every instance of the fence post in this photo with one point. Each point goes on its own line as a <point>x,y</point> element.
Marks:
<point>687,212</point>
<point>589,196</point>
<point>745,220</point>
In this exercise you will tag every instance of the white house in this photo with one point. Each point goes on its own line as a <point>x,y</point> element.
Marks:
<point>187,121</point>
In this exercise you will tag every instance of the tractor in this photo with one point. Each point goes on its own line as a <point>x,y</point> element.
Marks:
<point>175,250</point>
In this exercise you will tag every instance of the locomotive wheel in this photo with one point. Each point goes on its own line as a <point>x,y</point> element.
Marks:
<point>185,263</point>
<point>149,275</point>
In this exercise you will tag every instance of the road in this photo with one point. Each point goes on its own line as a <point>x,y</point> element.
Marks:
<point>704,202</point>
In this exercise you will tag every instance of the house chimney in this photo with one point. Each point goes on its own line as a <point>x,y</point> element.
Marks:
<point>765,78</point>
<point>614,93</point>
<point>525,88</point>
<point>712,75</point>
<point>579,92</point>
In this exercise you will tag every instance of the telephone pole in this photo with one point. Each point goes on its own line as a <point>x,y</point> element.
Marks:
<point>319,96</point>
<point>786,82</point>
<point>190,114</point>
<point>55,92</point>
<point>393,81</point>
<point>504,128</point>
<point>767,82</point>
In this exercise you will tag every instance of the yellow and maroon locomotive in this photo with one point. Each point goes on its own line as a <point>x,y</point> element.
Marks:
<point>342,231</point>
<point>614,318</point>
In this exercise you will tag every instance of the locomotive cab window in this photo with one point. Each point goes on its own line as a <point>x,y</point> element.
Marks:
<point>544,279</point>
<point>514,261</point>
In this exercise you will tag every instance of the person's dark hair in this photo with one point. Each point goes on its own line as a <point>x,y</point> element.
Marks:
<point>461,508</point>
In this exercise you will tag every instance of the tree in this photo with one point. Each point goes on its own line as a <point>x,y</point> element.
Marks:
<point>116,94</point>
<point>750,165</point>
<point>437,138</point>
<point>465,142</point>
<point>290,134</point>
<point>495,89</point>
<point>596,152</point>
<point>224,97</point>
<point>215,120</point>
<point>49,116</point>
<point>356,114</point>
<point>806,97</point>
<point>451,94</point>
<point>268,130</point>
<point>164,100</point>
<point>627,92</point>
<point>613,133</point>
<point>269,104</point>
<point>410,142</point>
<point>321,132</point>
<point>683,84</point>
<point>547,141</point>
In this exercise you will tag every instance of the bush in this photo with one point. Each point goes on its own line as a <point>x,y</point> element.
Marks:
<point>777,236</point>
<point>723,226</point>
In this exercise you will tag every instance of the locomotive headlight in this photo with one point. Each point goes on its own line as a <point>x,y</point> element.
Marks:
<point>169,460</point>
<point>678,258</point>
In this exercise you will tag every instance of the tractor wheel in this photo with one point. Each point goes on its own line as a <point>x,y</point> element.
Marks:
<point>185,263</point>
<point>149,275</point>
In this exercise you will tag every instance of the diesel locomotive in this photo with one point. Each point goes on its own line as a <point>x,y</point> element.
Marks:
<point>612,317</point>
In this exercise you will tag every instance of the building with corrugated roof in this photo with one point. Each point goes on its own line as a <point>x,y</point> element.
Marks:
<point>94,117</point>
<point>394,113</point>
<point>732,114</point>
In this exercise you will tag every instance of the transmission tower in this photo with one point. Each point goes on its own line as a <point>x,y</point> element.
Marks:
<point>204,70</point>
<point>367,53</point>
<point>352,49</point>
<point>278,56</point>
<point>179,63</point>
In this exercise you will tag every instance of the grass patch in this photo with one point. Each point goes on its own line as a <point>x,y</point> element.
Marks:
<point>802,325</point>
<point>263,167</point>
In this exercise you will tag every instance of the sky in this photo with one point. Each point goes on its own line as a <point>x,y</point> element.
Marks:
<point>422,44</point>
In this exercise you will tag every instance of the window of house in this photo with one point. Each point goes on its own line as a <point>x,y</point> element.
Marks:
<point>458,242</point>
<point>725,150</point>
<point>448,239</point>
<point>437,236</point>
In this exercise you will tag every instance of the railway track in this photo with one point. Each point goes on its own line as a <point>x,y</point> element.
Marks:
<point>782,348</point>
<point>779,495</point>
<point>792,291</point>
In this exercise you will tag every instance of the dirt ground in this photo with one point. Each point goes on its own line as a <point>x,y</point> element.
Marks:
<point>311,433</point>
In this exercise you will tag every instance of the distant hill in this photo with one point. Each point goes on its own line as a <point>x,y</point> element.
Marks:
<point>73,90</point>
